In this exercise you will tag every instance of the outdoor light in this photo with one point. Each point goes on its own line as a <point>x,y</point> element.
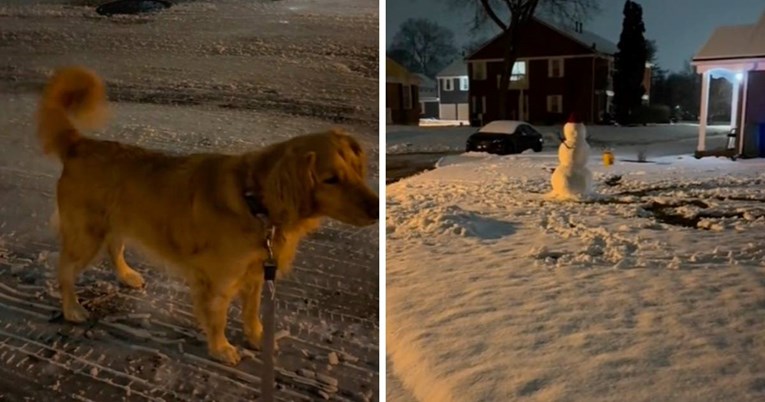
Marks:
<point>739,77</point>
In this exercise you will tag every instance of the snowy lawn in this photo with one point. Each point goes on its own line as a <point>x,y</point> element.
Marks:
<point>655,139</point>
<point>656,293</point>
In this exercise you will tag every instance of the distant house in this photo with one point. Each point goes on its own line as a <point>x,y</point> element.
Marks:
<point>559,70</point>
<point>401,95</point>
<point>428,97</point>
<point>737,53</point>
<point>453,91</point>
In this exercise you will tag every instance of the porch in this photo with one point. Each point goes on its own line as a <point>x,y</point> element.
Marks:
<point>736,54</point>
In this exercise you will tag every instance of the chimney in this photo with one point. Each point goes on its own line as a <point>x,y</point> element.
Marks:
<point>578,26</point>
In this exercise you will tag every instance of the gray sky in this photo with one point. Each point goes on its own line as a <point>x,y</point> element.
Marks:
<point>680,27</point>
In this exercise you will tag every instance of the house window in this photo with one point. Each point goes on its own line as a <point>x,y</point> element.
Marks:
<point>519,71</point>
<point>555,68</point>
<point>554,103</point>
<point>448,84</point>
<point>406,92</point>
<point>463,83</point>
<point>479,70</point>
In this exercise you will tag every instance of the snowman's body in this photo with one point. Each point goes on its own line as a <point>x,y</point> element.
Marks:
<point>572,179</point>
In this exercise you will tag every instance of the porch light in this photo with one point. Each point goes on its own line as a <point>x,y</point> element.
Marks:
<point>739,77</point>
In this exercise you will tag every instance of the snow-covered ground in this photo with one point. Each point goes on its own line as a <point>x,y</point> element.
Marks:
<point>658,140</point>
<point>442,123</point>
<point>654,293</point>
<point>203,76</point>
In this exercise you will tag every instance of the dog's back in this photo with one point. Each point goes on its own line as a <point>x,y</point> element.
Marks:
<point>109,191</point>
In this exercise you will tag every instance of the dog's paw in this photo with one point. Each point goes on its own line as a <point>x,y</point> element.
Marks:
<point>254,335</point>
<point>131,279</point>
<point>226,354</point>
<point>76,313</point>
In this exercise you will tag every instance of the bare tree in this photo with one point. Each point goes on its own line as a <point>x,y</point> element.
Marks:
<point>429,45</point>
<point>510,16</point>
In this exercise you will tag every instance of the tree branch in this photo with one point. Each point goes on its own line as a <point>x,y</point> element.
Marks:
<point>493,15</point>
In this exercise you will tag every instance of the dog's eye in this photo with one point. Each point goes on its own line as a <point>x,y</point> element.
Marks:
<point>332,180</point>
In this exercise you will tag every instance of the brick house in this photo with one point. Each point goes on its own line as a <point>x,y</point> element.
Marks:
<point>402,105</point>
<point>559,70</point>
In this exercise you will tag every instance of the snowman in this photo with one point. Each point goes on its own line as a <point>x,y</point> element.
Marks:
<point>572,180</point>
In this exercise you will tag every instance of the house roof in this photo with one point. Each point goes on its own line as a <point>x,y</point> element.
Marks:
<point>425,81</point>
<point>398,74</point>
<point>586,38</point>
<point>735,42</point>
<point>590,40</point>
<point>457,68</point>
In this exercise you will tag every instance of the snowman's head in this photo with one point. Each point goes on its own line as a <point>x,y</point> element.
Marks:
<point>574,129</point>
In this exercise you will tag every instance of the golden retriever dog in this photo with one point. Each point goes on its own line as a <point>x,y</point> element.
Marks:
<point>206,215</point>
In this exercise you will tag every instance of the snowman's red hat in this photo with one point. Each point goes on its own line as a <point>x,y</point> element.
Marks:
<point>574,118</point>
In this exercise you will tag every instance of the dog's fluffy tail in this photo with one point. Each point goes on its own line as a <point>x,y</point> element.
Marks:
<point>74,99</point>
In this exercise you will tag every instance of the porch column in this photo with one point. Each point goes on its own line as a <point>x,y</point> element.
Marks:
<point>734,102</point>
<point>704,109</point>
<point>742,125</point>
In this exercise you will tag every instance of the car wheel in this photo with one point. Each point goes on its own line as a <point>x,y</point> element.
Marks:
<point>537,148</point>
<point>509,148</point>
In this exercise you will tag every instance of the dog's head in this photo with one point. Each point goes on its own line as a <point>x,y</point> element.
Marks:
<point>318,175</point>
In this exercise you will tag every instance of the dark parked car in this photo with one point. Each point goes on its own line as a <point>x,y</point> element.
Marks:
<point>504,137</point>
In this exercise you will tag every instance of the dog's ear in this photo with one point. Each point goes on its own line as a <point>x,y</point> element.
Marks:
<point>289,187</point>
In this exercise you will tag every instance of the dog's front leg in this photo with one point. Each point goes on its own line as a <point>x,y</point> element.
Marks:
<point>250,295</point>
<point>211,306</point>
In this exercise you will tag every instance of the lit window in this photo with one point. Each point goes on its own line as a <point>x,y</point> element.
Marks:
<point>463,84</point>
<point>519,71</point>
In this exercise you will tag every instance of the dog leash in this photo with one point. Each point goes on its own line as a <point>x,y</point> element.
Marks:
<point>268,377</point>
<point>268,381</point>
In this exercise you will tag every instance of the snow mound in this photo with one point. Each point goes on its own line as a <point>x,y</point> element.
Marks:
<point>406,148</point>
<point>453,220</point>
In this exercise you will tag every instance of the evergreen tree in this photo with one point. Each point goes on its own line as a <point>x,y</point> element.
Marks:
<point>630,64</point>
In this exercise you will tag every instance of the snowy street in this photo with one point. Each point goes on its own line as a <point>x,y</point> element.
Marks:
<point>413,149</point>
<point>656,292</point>
<point>202,76</point>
